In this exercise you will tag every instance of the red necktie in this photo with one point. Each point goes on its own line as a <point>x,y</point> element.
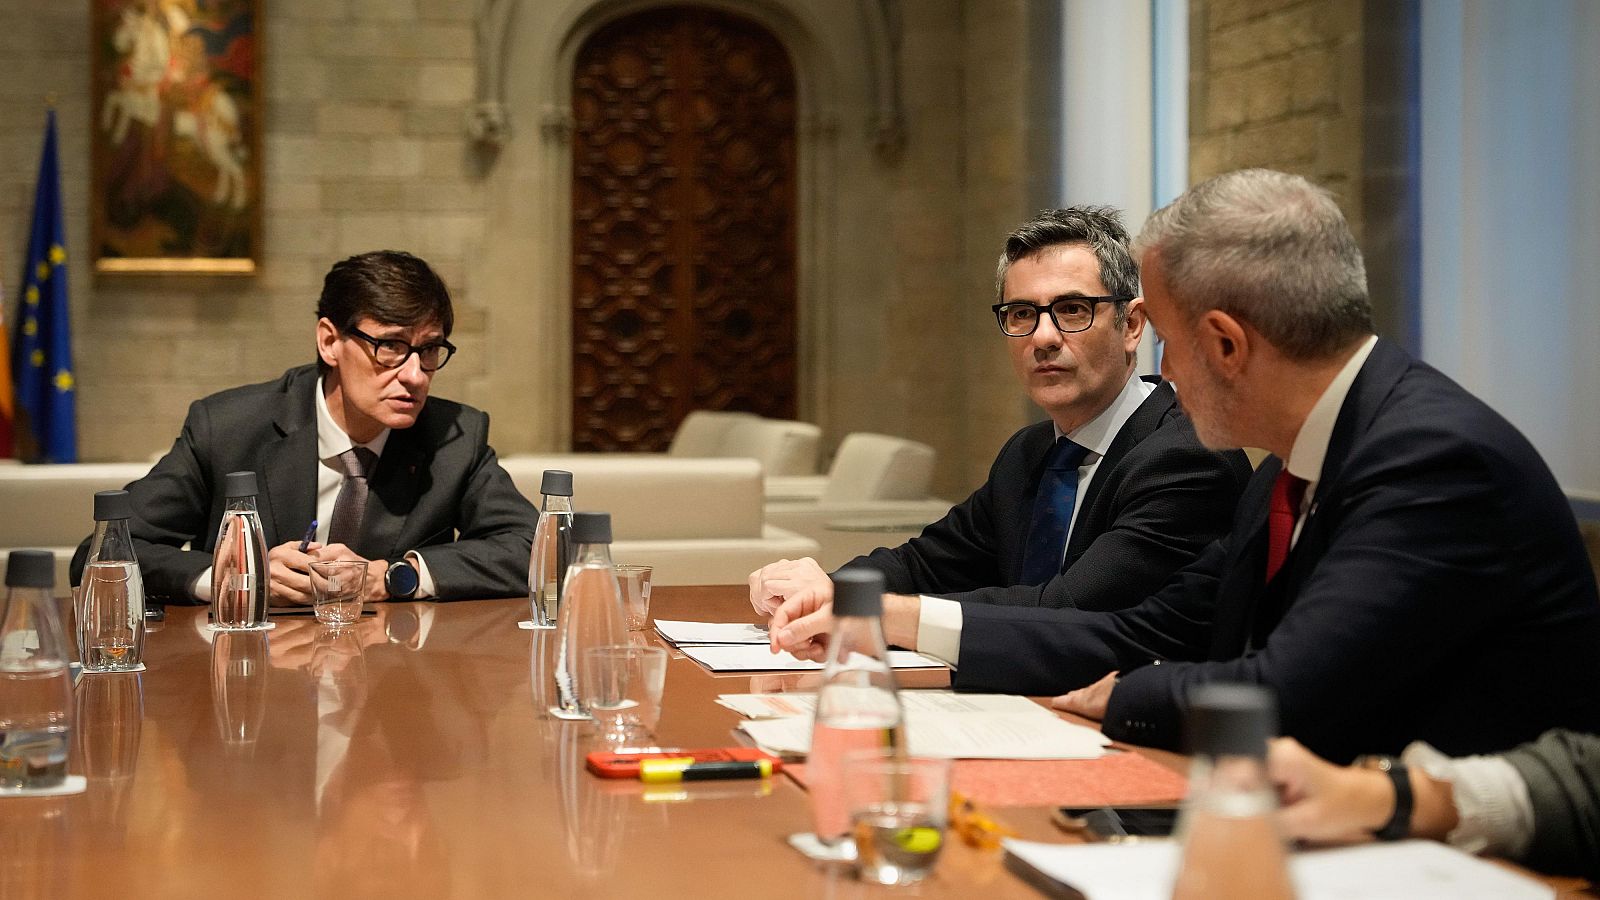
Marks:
<point>1287,492</point>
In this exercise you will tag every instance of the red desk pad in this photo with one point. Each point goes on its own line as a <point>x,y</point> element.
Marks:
<point>1116,779</point>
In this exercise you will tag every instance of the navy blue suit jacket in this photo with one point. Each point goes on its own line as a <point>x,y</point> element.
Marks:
<point>1156,500</point>
<point>1439,590</point>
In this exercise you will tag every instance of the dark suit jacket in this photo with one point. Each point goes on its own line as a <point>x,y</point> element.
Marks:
<point>438,489</point>
<point>1439,590</point>
<point>1156,500</point>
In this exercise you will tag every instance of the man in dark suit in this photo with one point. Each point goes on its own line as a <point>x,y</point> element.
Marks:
<point>354,444</point>
<point>1135,498</point>
<point>1405,566</point>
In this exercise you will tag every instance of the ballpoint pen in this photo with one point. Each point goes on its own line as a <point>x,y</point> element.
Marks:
<point>311,534</point>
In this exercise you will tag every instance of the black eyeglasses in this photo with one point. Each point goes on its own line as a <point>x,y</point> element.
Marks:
<point>1020,318</point>
<point>391,353</point>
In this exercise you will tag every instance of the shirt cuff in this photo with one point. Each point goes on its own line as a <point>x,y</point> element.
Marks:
<point>1491,799</point>
<point>424,580</point>
<point>939,630</point>
<point>201,586</point>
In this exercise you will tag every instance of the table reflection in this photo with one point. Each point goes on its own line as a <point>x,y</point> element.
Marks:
<point>239,686</point>
<point>110,724</point>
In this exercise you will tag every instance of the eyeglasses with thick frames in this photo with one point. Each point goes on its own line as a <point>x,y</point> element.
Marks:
<point>1020,318</point>
<point>391,353</point>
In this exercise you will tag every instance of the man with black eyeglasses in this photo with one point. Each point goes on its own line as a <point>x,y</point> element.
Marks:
<point>352,459</point>
<point>1090,509</point>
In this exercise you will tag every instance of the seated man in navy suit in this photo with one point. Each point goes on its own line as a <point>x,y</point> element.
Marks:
<point>354,444</point>
<point>1404,567</point>
<point>1092,508</point>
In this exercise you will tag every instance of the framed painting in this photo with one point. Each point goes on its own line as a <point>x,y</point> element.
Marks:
<point>176,136</point>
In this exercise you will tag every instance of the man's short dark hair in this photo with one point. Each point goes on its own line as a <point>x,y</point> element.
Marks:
<point>387,286</point>
<point>1099,228</point>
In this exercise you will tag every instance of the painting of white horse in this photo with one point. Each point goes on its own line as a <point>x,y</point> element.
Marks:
<point>178,100</point>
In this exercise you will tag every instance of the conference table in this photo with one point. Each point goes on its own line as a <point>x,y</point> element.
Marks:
<point>411,756</point>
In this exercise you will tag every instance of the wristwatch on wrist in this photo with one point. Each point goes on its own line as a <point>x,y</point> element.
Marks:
<point>1399,824</point>
<point>401,579</point>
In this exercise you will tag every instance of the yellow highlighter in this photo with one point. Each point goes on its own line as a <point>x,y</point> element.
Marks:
<point>683,768</point>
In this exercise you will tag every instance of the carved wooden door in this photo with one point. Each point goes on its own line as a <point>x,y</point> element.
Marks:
<point>683,225</point>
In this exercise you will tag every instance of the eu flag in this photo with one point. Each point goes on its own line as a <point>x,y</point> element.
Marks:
<point>43,346</point>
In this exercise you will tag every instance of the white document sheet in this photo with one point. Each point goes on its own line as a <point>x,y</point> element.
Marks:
<point>1405,870</point>
<point>956,735</point>
<point>759,658</point>
<point>773,706</point>
<point>711,632</point>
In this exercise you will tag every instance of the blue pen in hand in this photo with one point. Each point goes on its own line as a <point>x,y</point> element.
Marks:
<point>311,534</point>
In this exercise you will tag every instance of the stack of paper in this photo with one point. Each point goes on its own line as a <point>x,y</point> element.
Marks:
<point>1401,871</point>
<point>938,723</point>
<point>742,647</point>
<point>683,633</point>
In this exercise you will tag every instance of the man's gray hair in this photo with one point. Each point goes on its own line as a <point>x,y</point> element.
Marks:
<point>1099,228</point>
<point>1270,249</point>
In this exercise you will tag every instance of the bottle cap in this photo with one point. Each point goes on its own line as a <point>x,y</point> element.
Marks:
<point>591,528</point>
<point>857,592</point>
<point>239,484</point>
<point>112,505</point>
<point>1231,720</point>
<point>557,483</point>
<point>31,569</point>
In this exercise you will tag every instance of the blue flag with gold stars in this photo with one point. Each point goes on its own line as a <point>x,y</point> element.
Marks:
<point>42,351</point>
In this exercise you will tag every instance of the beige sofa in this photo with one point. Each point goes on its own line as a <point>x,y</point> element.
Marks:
<point>698,521</point>
<point>51,507</point>
<point>874,495</point>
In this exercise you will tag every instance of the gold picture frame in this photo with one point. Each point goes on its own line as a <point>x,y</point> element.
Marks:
<point>176,136</point>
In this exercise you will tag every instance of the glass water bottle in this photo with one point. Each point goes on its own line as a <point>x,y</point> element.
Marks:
<point>35,682</point>
<point>552,548</point>
<point>857,707</point>
<point>1231,843</point>
<point>110,609</point>
<point>239,574</point>
<point>591,610</point>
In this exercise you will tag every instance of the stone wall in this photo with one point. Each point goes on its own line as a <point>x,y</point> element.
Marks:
<point>1278,83</point>
<point>363,149</point>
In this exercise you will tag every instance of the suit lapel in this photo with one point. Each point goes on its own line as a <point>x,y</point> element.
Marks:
<point>403,476</point>
<point>1243,586</point>
<point>1144,421</point>
<point>288,465</point>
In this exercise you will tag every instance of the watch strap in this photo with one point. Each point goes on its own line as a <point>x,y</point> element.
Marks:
<point>1399,824</point>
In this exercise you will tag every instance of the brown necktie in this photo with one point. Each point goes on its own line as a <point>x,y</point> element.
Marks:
<point>351,504</point>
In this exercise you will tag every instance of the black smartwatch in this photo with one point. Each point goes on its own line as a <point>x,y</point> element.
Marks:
<point>1399,824</point>
<point>401,580</point>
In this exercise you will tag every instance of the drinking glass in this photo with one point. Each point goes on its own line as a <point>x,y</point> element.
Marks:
<point>899,808</point>
<point>338,587</point>
<point>635,584</point>
<point>622,691</point>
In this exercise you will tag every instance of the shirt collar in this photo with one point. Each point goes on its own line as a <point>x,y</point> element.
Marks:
<point>1311,444</point>
<point>1097,434</point>
<point>331,439</point>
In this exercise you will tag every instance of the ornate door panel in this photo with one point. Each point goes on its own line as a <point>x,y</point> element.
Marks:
<point>683,225</point>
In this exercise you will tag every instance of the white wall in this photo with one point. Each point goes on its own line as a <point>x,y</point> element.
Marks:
<point>1511,216</point>
<point>1124,109</point>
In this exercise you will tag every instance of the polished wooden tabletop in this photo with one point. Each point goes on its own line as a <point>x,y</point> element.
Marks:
<point>410,756</point>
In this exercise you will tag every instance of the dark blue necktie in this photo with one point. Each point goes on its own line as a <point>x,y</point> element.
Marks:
<point>1052,512</point>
